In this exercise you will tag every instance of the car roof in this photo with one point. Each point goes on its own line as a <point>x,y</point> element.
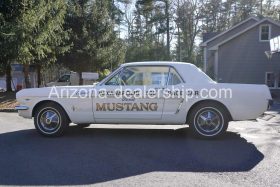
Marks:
<point>157,63</point>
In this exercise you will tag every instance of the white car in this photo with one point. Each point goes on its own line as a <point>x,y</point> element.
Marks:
<point>72,78</point>
<point>146,93</point>
<point>67,79</point>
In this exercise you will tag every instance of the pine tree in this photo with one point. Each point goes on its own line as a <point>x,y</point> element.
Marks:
<point>102,40</point>
<point>9,10</point>
<point>36,30</point>
<point>189,15</point>
<point>95,45</point>
<point>147,41</point>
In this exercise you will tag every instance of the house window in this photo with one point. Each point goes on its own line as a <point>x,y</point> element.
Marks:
<point>265,32</point>
<point>270,79</point>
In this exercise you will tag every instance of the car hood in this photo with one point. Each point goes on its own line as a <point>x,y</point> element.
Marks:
<point>47,91</point>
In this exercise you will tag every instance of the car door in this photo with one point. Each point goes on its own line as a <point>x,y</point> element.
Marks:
<point>175,98</point>
<point>135,92</point>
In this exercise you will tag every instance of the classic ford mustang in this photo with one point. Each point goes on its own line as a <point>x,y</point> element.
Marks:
<point>146,93</point>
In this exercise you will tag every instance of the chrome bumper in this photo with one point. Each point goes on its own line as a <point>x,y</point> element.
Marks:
<point>21,107</point>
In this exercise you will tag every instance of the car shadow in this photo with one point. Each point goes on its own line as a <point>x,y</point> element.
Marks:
<point>88,156</point>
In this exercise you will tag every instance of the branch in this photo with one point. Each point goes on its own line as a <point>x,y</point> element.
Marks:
<point>7,34</point>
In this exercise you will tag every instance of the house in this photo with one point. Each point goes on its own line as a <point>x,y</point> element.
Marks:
<point>17,73</point>
<point>49,74</point>
<point>237,55</point>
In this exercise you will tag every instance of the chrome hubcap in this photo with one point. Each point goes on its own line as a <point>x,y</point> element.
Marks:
<point>49,120</point>
<point>209,121</point>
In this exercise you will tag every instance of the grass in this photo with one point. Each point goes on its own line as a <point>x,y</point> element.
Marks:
<point>8,100</point>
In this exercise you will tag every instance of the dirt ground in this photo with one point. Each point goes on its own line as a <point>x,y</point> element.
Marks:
<point>7,100</point>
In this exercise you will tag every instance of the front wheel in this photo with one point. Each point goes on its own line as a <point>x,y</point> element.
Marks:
<point>50,120</point>
<point>209,120</point>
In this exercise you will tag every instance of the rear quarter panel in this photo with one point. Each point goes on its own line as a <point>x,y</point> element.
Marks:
<point>244,101</point>
<point>248,101</point>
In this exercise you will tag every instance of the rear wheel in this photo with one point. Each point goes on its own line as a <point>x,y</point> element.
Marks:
<point>50,119</point>
<point>208,120</point>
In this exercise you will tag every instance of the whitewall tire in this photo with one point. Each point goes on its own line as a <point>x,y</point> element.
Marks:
<point>50,119</point>
<point>208,120</point>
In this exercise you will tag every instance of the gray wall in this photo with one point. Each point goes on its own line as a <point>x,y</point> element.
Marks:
<point>210,54</point>
<point>242,60</point>
<point>232,32</point>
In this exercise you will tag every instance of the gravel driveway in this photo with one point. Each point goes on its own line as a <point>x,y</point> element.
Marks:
<point>248,155</point>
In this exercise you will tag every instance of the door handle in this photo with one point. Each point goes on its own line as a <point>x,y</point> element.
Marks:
<point>82,93</point>
<point>159,88</point>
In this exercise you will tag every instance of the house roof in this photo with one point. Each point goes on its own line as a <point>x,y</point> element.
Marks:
<point>208,35</point>
<point>243,31</point>
<point>226,31</point>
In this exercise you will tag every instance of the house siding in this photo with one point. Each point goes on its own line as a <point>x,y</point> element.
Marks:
<point>242,59</point>
<point>210,54</point>
<point>210,63</point>
<point>231,33</point>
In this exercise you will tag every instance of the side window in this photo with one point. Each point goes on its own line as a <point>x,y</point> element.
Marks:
<point>128,76</point>
<point>174,78</point>
<point>121,78</point>
<point>270,79</point>
<point>114,81</point>
<point>145,75</point>
<point>159,78</point>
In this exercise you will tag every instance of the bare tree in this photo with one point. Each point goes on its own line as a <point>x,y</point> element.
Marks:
<point>189,18</point>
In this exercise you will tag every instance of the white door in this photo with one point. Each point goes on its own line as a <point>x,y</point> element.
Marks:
<point>173,103</point>
<point>133,93</point>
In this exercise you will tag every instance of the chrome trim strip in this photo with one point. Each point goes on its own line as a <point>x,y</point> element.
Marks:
<point>179,107</point>
<point>21,107</point>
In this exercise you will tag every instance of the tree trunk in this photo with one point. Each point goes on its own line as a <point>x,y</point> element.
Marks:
<point>179,46</point>
<point>80,78</point>
<point>38,68</point>
<point>26,76</point>
<point>167,28</point>
<point>261,8</point>
<point>8,78</point>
